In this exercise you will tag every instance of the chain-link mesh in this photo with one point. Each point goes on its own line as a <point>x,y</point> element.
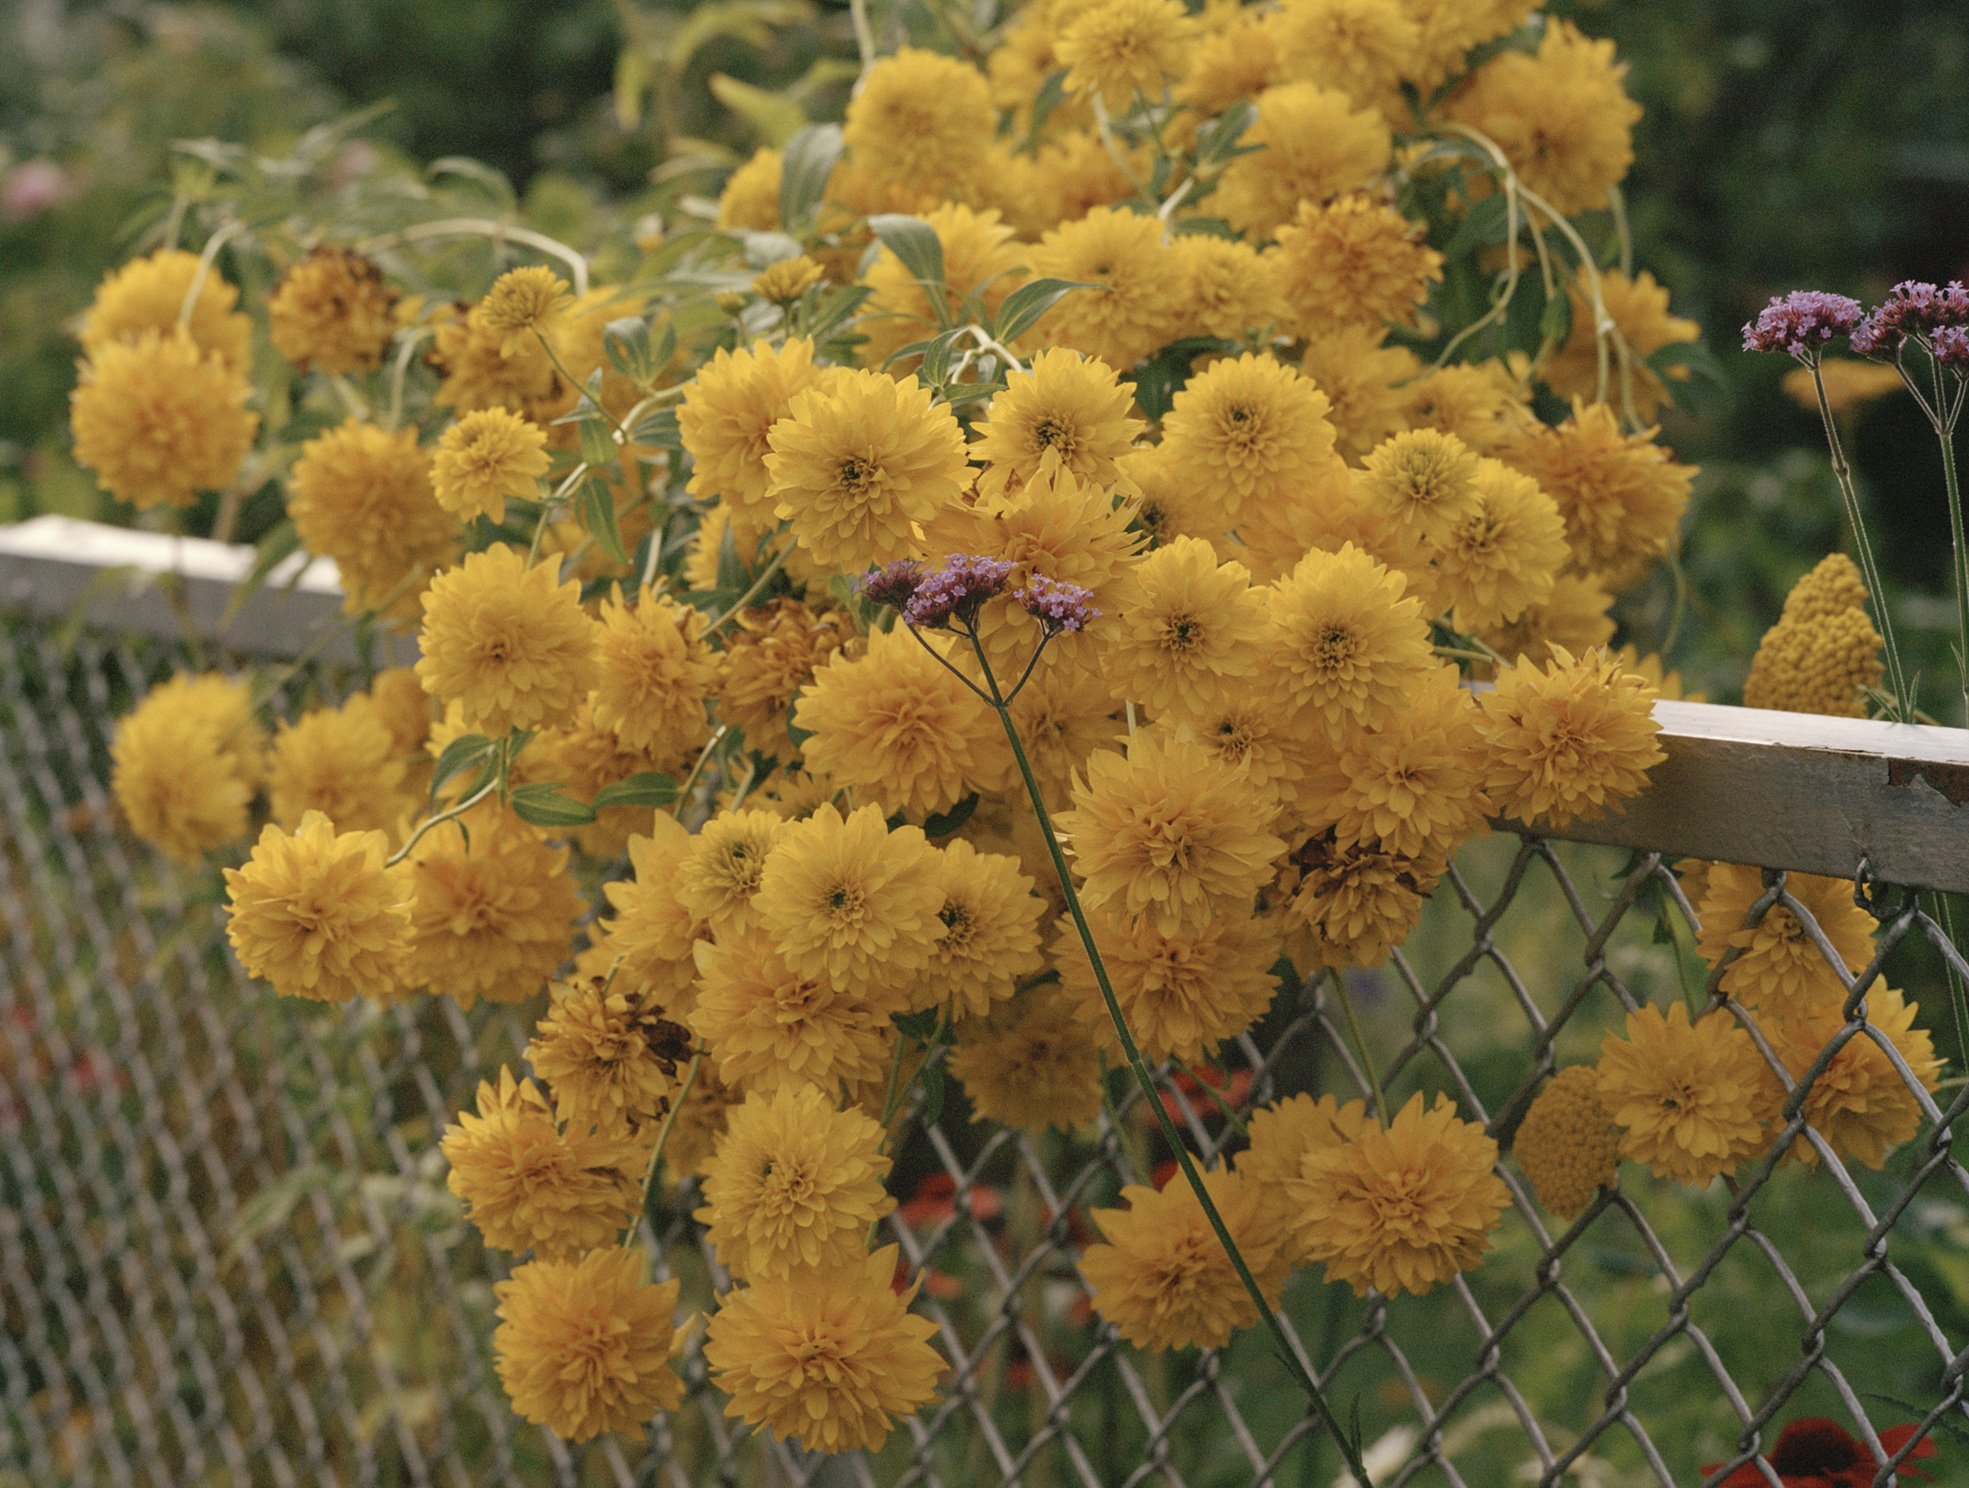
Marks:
<point>227,1254</point>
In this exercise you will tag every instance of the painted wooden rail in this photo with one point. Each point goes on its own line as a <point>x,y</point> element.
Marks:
<point>1785,790</point>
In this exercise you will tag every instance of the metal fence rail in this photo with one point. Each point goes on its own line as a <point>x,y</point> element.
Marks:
<point>227,1255</point>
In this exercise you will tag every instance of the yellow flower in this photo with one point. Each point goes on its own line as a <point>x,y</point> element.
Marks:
<point>1032,1064</point>
<point>1638,307</point>
<point>492,917</point>
<point>1561,115</point>
<point>1362,379</point>
<point>1401,1208</point>
<point>900,728</point>
<point>486,459</point>
<point>149,293</point>
<point>1574,617</point>
<point>794,1184</point>
<point>1250,730</point>
<point>1162,1276</point>
<point>1567,740</point>
<point>1481,403</point>
<point>584,1347</point>
<point>1314,145</point>
<point>1345,640</point>
<point>477,372</point>
<point>990,924</point>
<point>788,279</point>
<point>528,1185</point>
<point>654,672</point>
<point>1823,655</point>
<point>827,1361</point>
<point>1496,562</point>
<point>1183,994</point>
<point>362,495</point>
<point>184,764</point>
<point>1185,633</point>
<point>721,872</point>
<point>331,312</point>
<point>342,763</point>
<point>402,706</point>
<point>1066,412</point>
<point>770,1027</point>
<point>1781,972</point>
<point>1354,260</point>
<point>1567,1144</point>
<point>317,915</point>
<point>1061,721</point>
<point>751,195</point>
<point>608,1054</point>
<point>585,759</point>
<point>159,420</point>
<point>522,304</point>
<point>1860,1103</point>
<point>1228,289</point>
<point>1849,384</point>
<point>1227,66</point>
<point>1353,902</point>
<point>979,256</point>
<point>919,120</point>
<point>1246,427</point>
<point>507,641</point>
<point>1692,1100</point>
<point>653,931</point>
<point>1452,29</point>
<point>846,898</point>
<point>1414,784</point>
<point>1169,834</point>
<point>1423,483</point>
<point>728,411</point>
<point>1135,307</point>
<point>1123,48</point>
<point>771,654</point>
<point>1362,48</point>
<point>1285,1132</point>
<point>856,464</point>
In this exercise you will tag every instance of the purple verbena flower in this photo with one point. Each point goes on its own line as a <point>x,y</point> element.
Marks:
<point>960,586</point>
<point>1057,604</point>
<point>1800,323</point>
<point>1951,347</point>
<point>892,583</point>
<point>1912,308</point>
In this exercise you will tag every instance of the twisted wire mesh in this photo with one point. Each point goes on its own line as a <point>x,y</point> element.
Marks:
<point>227,1254</point>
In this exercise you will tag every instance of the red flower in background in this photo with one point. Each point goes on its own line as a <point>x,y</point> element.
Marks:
<point>1233,1089</point>
<point>1813,1452</point>
<point>935,1200</point>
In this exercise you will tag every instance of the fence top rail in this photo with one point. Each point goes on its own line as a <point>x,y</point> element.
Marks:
<point>1783,790</point>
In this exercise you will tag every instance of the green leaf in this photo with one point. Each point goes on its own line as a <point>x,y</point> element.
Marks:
<point>921,1026</point>
<point>835,308</point>
<point>935,370</point>
<point>492,182</point>
<point>597,440</point>
<point>1555,321</point>
<point>595,508</point>
<point>764,249</point>
<point>1216,142</point>
<point>1052,93</point>
<point>916,244</point>
<point>804,168</point>
<point>932,1093</point>
<point>651,789</point>
<point>658,427</point>
<point>1486,222</point>
<point>544,805</point>
<point>1025,305</point>
<point>459,756</point>
<point>279,542</point>
<point>627,345</point>
<point>946,822</point>
<point>772,116</point>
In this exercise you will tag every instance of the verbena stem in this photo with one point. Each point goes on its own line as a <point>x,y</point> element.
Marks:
<point>1349,1450</point>
<point>662,1141</point>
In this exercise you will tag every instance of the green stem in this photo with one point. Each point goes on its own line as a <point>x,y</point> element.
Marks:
<point>1216,1098</point>
<point>450,813</point>
<point>1945,436</point>
<point>1862,544</point>
<point>1360,1043</point>
<point>662,1141</point>
<point>1287,1354</point>
<point>758,587</point>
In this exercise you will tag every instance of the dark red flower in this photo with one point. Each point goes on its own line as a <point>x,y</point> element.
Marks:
<point>935,1200</point>
<point>1234,1089</point>
<point>1813,1452</point>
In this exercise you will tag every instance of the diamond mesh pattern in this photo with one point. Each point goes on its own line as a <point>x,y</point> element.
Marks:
<point>227,1254</point>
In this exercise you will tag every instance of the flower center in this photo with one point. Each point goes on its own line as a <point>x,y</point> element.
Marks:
<point>855,474</point>
<point>1182,633</point>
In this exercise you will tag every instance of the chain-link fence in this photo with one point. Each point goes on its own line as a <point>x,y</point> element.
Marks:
<point>227,1254</point>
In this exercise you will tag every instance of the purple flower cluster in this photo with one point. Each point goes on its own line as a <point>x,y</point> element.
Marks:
<point>1800,323</point>
<point>1912,308</point>
<point>1056,604</point>
<point>959,587</point>
<point>1951,347</point>
<point>893,583</point>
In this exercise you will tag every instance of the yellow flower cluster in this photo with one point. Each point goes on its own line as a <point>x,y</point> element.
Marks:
<point>1191,550</point>
<point>1823,655</point>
